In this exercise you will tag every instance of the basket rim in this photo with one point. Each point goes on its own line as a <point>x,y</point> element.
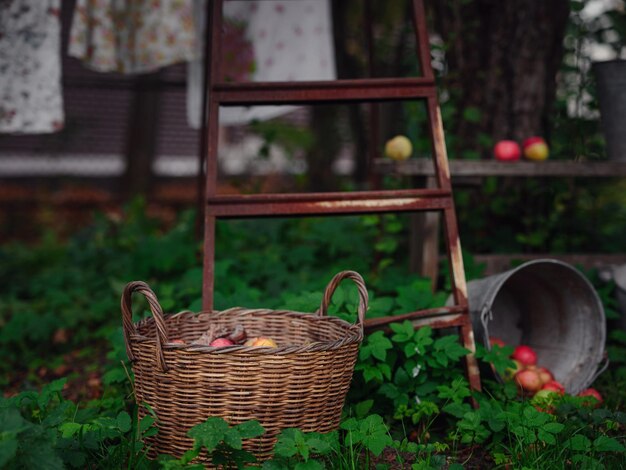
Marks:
<point>354,332</point>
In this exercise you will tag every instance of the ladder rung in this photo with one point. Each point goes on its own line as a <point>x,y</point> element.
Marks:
<point>328,203</point>
<point>443,317</point>
<point>301,92</point>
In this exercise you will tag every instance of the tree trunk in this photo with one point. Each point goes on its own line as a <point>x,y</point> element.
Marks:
<point>503,58</point>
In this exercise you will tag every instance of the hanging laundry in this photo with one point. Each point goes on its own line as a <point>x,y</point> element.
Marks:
<point>30,67</point>
<point>291,40</point>
<point>132,36</point>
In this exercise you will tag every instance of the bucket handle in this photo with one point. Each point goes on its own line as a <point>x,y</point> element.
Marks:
<point>486,314</point>
<point>330,290</point>
<point>157,313</point>
<point>602,366</point>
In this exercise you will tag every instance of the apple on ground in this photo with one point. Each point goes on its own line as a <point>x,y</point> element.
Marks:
<point>544,401</point>
<point>528,380</point>
<point>595,399</point>
<point>545,375</point>
<point>507,151</point>
<point>554,386</point>
<point>221,343</point>
<point>398,148</point>
<point>525,354</point>
<point>535,148</point>
<point>261,342</point>
<point>510,372</point>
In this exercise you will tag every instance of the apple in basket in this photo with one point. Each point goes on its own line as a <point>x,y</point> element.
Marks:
<point>261,342</point>
<point>221,342</point>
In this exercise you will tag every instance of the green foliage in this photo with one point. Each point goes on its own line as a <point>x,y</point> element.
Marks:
<point>409,401</point>
<point>43,430</point>
<point>220,441</point>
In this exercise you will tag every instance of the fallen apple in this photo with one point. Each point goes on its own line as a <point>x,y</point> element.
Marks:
<point>594,399</point>
<point>554,386</point>
<point>544,400</point>
<point>507,151</point>
<point>398,148</point>
<point>261,342</point>
<point>510,372</point>
<point>221,343</point>
<point>545,375</point>
<point>535,148</point>
<point>528,380</point>
<point>525,354</point>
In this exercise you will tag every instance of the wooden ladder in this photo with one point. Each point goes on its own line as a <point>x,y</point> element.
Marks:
<point>321,204</point>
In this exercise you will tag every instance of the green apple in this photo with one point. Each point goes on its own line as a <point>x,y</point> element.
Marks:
<point>399,148</point>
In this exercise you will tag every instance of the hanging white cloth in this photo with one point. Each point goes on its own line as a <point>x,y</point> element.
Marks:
<point>135,36</point>
<point>30,67</point>
<point>291,40</point>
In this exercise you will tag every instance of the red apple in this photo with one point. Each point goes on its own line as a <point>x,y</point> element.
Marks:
<point>493,340</point>
<point>507,151</point>
<point>554,386</point>
<point>595,397</point>
<point>535,148</point>
<point>221,343</point>
<point>525,354</point>
<point>528,380</point>
<point>545,375</point>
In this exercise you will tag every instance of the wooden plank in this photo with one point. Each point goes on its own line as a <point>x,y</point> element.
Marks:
<point>272,205</point>
<point>310,92</point>
<point>481,168</point>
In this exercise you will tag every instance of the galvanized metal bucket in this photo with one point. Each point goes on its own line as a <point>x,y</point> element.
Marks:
<point>550,306</point>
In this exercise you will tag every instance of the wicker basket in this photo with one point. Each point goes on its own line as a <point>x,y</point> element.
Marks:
<point>301,384</point>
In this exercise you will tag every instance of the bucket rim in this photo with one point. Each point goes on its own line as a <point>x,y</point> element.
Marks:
<point>503,277</point>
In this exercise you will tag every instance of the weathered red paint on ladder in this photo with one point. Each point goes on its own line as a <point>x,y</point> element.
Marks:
<point>267,205</point>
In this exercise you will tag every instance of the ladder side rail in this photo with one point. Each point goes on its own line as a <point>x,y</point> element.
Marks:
<point>214,34</point>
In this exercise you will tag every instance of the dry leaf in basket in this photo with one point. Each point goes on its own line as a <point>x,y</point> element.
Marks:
<point>222,336</point>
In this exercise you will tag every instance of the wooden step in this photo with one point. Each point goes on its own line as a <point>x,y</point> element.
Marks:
<point>266,205</point>
<point>309,92</point>
<point>444,317</point>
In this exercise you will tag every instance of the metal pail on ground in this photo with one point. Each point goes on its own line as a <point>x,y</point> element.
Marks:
<point>550,306</point>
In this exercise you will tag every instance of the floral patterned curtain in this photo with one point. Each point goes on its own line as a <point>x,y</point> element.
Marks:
<point>30,67</point>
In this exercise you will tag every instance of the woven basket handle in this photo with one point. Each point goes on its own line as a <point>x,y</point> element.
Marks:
<point>157,313</point>
<point>330,290</point>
